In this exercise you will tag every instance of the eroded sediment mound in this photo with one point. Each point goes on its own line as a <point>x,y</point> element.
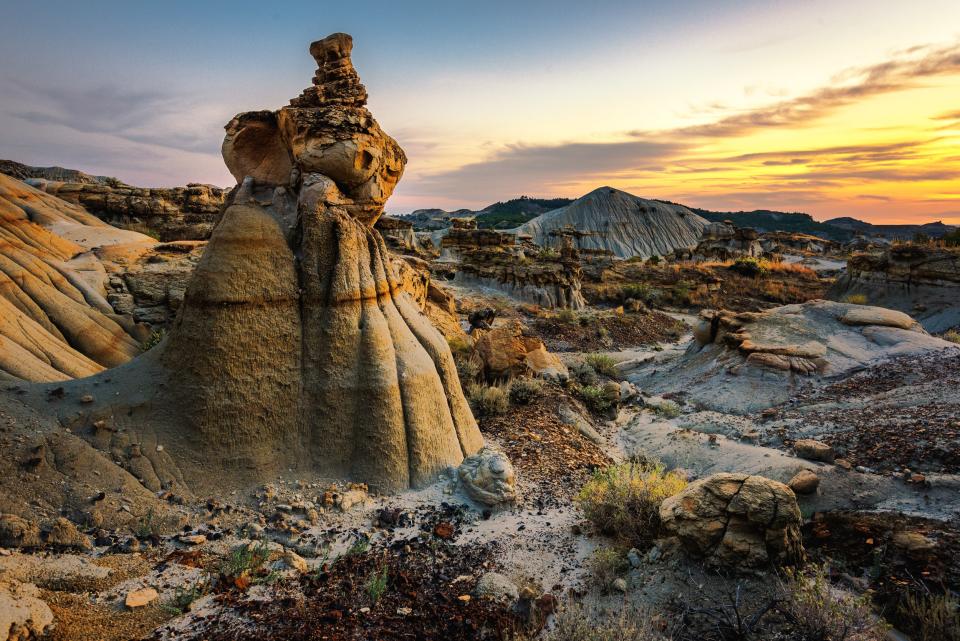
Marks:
<point>296,349</point>
<point>744,362</point>
<point>55,320</point>
<point>613,220</point>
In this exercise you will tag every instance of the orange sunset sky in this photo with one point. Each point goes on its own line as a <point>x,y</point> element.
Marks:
<point>842,108</point>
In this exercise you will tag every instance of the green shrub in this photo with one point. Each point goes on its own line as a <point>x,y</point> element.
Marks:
<point>598,398</point>
<point>548,253</point>
<point>584,374</point>
<point>247,558</point>
<point>488,400</point>
<point>952,335</point>
<point>637,291</point>
<point>821,612</point>
<point>602,364</point>
<point>748,266</point>
<point>624,500</point>
<point>567,315</point>
<point>459,346</point>
<point>654,260</point>
<point>377,584</point>
<point>524,390</point>
<point>667,409</point>
<point>184,596</point>
<point>931,617</point>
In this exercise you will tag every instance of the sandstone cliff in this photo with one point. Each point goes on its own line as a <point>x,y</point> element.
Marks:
<point>167,214</point>
<point>919,280</point>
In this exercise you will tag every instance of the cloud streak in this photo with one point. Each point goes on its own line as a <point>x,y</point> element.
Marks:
<point>795,175</point>
<point>146,117</point>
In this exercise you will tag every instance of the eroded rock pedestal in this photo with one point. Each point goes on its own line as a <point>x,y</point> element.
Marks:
<point>296,350</point>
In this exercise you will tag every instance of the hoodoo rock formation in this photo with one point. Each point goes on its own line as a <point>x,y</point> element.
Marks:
<point>295,349</point>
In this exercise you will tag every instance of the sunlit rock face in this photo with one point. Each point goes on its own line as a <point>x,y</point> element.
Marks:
<point>326,130</point>
<point>297,348</point>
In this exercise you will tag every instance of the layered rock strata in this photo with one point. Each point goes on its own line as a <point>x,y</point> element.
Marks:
<point>747,361</point>
<point>921,281</point>
<point>168,214</point>
<point>55,320</point>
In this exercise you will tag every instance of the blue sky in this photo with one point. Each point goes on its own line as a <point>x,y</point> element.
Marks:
<point>495,99</point>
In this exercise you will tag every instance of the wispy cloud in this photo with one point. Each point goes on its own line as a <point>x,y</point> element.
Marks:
<point>147,117</point>
<point>854,85</point>
<point>517,167</point>
<point>796,175</point>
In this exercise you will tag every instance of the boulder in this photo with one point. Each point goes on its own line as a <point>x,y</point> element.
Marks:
<point>141,597</point>
<point>23,615</point>
<point>804,482</point>
<point>504,352</point>
<point>736,520</point>
<point>487,477</point>
<point>814,450</point>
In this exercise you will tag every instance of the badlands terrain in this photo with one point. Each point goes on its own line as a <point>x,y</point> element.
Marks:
<point>274,412</point>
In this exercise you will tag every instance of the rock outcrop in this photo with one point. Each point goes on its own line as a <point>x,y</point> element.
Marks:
<point>782,242</point>
<point>736,521</point>
<point>550,281</point>
<point>724,241</point>
<point>748,361</point>
<point>504,352</point>
<point>399,234</point>
<point>55,320</point>
<point>295,350</point>
<point>494,259</point>
<point>169,214</point>
<point>919,280</point>
<point>610,219</point>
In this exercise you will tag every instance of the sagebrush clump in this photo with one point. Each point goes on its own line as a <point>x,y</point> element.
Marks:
<point>606,565</point>
<point>748,266</point>
<point>624,500</point>
<point>574,622</point>
<point>931,617</point>
<point>855,299</point>
<point>820,611</point>
<point>524,390</point>
<point>602,364</point>
<point>488,400</point>
<point>598,398</point>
